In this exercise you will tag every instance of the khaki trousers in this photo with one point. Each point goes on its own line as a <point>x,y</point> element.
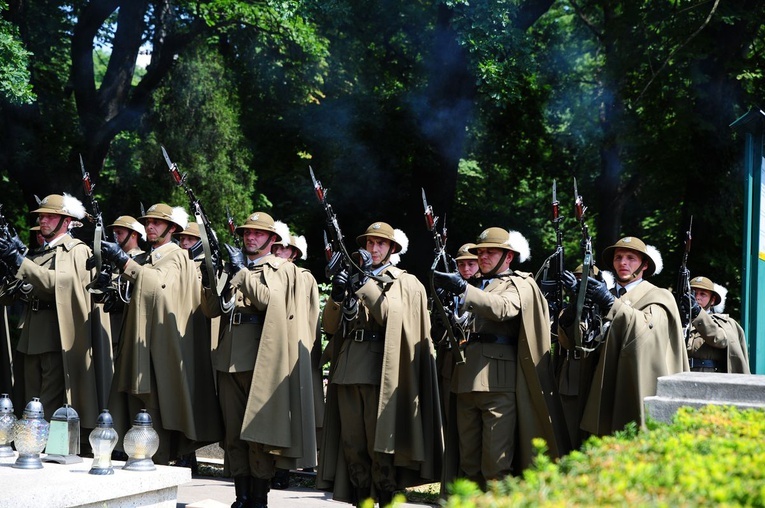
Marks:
<point>358,422</point>
<point>486,423</point>
<point>242,458</point>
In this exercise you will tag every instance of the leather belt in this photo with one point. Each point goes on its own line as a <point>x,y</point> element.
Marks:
<point>247,319</point>
<point>695,363</point>
<point>362,335</point>
<point>37,305</point>
<point>490,338</point>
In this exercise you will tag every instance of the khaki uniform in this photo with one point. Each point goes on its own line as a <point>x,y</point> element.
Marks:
<point>65,337</point>
<point>716,343</point>
<point>644,340</point>
<point>382,424</point>
<point>264,372</point>
<point>157,366</point>
<point>505,394</point>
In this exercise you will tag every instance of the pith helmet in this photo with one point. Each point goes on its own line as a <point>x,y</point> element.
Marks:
<point>705,283</point>
<point>175,215</point>
<point>129,222</point>
<point>191,230</point>
<point>384,230</point>
<point>464,252</point>
<point>61,205</point>
<point>300,244</point>
<point>264,222</point>
<point>649,253</point>
<point>502,239</point>
<point>594,269</point>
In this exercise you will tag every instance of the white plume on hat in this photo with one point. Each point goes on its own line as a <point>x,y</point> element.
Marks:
<point>656,257</point>
<point>400,238</point>
<point>608,278</point>
<point>519,244</point>
<point>720,307</point>
<point>72,205</point>
<point>180,217</point>
<point>138,227</point>
<point>283,231</point>
<point>302,246</point>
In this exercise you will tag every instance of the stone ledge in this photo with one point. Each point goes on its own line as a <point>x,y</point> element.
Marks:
<point>697,389</point>
<point>64,486</point>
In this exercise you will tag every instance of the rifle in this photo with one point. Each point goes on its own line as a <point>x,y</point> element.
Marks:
<point>213,256</point>
<point>232,228</point>
<point>103,278</point>
<point>552,269</point>
<point>337,245</point>
<point>447,312</point>
<point>683,288</point>
<point>8,276</point>
<point>585,310</point>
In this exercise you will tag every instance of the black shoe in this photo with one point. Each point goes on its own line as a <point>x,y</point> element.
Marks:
<point>281,479</point>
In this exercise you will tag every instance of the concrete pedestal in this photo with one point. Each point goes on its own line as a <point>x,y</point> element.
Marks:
<point>70,485</point>
<point>698,389</point>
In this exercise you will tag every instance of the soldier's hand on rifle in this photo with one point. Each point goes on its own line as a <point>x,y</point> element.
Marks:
<point>235,259</point>
<point>112,253</point>
<point>19,244</point>
<point>569,281</point>
<point>339,284</point>
<point>598,293</point>
<point>689,306</point>
<point>451,282</point>
<point>10,254</point>
<point>365,263</point>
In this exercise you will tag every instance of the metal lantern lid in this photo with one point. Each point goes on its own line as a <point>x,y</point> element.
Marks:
<point>105,420</point>
<point>6,404</point>
<point>65,413</point>
<point>34,410</point>
<point>142,419</point>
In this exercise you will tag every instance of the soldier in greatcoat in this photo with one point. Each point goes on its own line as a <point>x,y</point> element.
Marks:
<point>382,423</point>
<point>505,392</point>
<point>716,342</point>
<point>641,340</point>
<point>158,367</point>
<point>263,364</point>
<point>64,341</point>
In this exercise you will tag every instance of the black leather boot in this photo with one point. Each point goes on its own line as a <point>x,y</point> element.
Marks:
<point>384,498</point>
<point>281,479</point>
<point>260,488</point>
<point>360,494</point>
<point>242,487</point>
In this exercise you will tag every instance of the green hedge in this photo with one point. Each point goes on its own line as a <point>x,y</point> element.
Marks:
<point>711,456</point>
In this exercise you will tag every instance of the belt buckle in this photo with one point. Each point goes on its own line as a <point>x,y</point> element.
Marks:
<point>358,335</point>
<point>237,318</point>
<point>35,304</point>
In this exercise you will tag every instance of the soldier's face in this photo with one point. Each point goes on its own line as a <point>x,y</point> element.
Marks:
<point>155,228</point>
<point>703,297</point>
<point>628,265</point>
<point>467,267</point>
<point>379,248</point>
<point>120,234</point>
<point>256,240</point>
<point>488,258</point>
<point>48,223</point>
<point>283,252</point>
<point>187,241</point>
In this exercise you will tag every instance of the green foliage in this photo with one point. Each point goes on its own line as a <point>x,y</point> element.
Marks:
<point>710,456</point>
<point>15,83</point>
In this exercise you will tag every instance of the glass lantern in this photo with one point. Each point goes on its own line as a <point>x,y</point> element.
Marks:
<point>64,436</point>
<point>103,439</point>
<point>30,435</point>
<point>7,421</point>
<point>141,443</point>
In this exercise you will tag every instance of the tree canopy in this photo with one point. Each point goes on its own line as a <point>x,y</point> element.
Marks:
<point>481,104</point>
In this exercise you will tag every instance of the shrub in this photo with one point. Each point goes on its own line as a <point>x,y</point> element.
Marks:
<point>709,456</point>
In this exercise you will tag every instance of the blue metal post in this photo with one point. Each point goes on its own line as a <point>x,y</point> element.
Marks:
<point>751,125</point>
